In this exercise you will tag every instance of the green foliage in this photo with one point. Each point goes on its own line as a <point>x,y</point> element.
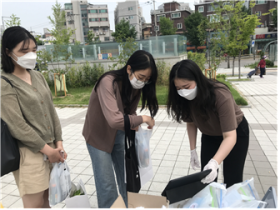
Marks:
<point>43,57</point>
<point>192,29</point>
<point>241,101</point>
<point>274,17</point>
<point>39,42</point>
<point>47,78</point>
<point>128,47</point>
<point>198,58</point>
<point>166,26</point>
<point>223,76</point>
<point>269,63</point>
<point>60,32</point>
<point>92,39</point>
<point>261,53</point>
<point>13,21</point>
<point>124,31</point>
<point>245,10</point>
<point>163,73</point>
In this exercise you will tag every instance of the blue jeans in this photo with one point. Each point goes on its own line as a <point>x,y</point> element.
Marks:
<point>102,164</point>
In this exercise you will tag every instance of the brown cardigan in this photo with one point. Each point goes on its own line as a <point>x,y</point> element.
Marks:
<point>105,115</point>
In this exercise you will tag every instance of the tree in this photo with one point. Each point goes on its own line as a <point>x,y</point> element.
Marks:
<point>14,21</point>
<point>246,10</point>
<point>91,38</point>
<point>166,26</point>
<point>274,17</point>
<point>39,42</point>
<point>192,32</point>
<point>60,32</point>
<point>244,26</point>
<point>124,30</point>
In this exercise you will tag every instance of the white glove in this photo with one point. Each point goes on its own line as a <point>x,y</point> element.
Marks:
<point>212,164</point>
<point>194,160</point>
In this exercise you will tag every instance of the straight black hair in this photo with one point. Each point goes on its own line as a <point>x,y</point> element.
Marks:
<point>179,107</point>
<point>10,39</point>
<point>139,60</point>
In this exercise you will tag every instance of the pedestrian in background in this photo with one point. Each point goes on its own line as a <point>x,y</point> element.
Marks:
<point>262,65</point>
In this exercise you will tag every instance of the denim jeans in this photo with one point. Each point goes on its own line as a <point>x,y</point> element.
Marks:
<point>103,165</point>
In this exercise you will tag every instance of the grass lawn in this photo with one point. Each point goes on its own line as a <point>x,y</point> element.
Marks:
<point>80,96</point>
<point>238,80</point>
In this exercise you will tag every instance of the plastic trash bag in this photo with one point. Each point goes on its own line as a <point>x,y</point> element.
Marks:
<point>142,146</point>
<point>60,183</point>
<point>210,197</point>
<point>243,195</point>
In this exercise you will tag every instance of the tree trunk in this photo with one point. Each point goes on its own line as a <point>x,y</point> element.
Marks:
<point>233,65</point>
<point>239,59</point>
<point>228,63</point>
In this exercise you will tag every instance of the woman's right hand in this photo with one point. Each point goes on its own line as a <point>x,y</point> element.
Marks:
<point>54,155</point>
<point>149,120</point>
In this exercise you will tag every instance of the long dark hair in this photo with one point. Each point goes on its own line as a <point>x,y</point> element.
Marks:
<point>11,38</point>
<point>179,107</point>
<point>139,60</point>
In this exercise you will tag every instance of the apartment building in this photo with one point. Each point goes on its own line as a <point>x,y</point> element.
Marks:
<point>174,11</point>
<point>132,12</point>
<point>83,17</point>
<point>146,30</point>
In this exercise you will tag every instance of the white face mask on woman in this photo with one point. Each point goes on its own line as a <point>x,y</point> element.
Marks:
<point>136,84</point>
<point>188,94</point>
<point>27,61</point>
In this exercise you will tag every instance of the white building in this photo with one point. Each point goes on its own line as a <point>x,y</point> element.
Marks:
<point>83,17</point>
<point>132,12</point>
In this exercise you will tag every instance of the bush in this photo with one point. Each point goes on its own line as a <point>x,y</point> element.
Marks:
<point>198,58</point>
<point>221,76</point>
<point>269,63</point>
<point>47,78</point>
<point>163,73</point>
<point>241,101</point>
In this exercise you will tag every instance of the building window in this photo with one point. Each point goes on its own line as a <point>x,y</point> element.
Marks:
<point>93,11</point>
<point>130,8</point>
<point>71,22</point>
<point>105,29</point>
<point>201,9</point>
<point>261,2</point>
<point>103,11</point>
<point>130,17</point>
<point>176,15</point>
<point>259,13</point>
<point>225,17</point>
<point>179,26</point>
<point>103,19</point>
<point>96,30</point>
<point>106,38</point>
<point>156,28</point>
<point>93,19</point>
<point>212,8</point>
<point>213,18</point>
<point>227,3</point>
<point>69,13</point>
<point>159,16</point>
<point>68,6</point>
<point>83,6</point>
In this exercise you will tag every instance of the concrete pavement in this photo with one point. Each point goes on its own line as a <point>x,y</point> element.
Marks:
<point>170,146</point>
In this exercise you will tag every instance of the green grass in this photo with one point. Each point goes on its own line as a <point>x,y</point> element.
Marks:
<point>238,99</point>
<point>80,96</point>
<point>231,80</point>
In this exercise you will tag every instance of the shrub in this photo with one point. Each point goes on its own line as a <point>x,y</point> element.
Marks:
<point>221,76</point>
<point>163,73</point>
<point>198,58</point>
<point>269,63</point>
<point>241,101</point>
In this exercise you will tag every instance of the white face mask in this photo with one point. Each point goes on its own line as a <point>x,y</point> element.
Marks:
<point>27,61</point>
<point>136,84</point>
<point>188,94</point>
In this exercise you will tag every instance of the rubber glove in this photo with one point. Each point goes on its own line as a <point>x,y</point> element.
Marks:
<point>212,164</point>
<point>194,160</point>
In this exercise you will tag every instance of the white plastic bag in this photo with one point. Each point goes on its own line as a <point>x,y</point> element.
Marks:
<point>142,146</point>
<point>242,195</point>
<point>210,197</point>
<point>60,183</point>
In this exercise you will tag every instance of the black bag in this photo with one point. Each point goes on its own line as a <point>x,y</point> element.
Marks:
<point>10,156</point>
<point>133,183</point>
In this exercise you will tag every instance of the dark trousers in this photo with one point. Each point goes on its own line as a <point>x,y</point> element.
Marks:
<point>262,71</point>
<point>233,164</point>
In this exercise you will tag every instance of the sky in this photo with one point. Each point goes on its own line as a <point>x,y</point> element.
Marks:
<point>33,13</point>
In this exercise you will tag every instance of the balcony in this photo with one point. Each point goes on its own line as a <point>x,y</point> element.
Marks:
<point>99,24</point>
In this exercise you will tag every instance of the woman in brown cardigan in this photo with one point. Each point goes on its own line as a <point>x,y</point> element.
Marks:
<point>117,93</point>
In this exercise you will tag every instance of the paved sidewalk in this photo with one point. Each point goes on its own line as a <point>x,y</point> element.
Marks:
<point>170,146</point>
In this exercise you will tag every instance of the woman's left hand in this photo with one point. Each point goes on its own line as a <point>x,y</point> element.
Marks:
<point>136,128</point>
<point>60,146</point>
<point>214,166</point>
